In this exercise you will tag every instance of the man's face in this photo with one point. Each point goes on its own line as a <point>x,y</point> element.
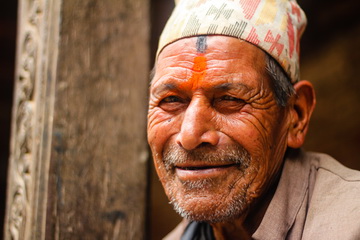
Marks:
<point>216,133</point>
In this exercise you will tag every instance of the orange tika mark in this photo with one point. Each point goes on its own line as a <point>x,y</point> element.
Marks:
<point>198,74</point>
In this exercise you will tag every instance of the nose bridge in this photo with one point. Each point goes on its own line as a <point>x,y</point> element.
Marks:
<point>195,119</point>
<point>196,125</point>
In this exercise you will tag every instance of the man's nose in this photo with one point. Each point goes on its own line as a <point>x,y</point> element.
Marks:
<point>198,126</point>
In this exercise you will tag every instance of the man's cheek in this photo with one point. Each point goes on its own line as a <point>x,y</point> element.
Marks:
<point>160,130</point>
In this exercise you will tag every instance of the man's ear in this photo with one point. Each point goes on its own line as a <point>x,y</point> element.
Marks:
<point>301,107</point>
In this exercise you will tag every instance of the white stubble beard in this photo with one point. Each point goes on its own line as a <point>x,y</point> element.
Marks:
<point>225,210</point>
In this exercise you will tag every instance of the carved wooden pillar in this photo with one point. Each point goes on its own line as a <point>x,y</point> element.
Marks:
<point>78,159</point>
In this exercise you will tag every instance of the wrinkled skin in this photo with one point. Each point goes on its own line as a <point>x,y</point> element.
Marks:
<point>205,104</point>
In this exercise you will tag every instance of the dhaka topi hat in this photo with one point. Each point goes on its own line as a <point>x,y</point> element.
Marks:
<point>275,26</point>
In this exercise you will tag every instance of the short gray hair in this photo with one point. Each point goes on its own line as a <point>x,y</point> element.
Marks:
<point>281,84</point>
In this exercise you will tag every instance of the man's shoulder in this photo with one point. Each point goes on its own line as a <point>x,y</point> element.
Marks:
<point>334,204</point>
<point>332,183</point>
<point>330,167</point>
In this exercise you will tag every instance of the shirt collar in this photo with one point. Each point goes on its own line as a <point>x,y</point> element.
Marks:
<point>288,198</point>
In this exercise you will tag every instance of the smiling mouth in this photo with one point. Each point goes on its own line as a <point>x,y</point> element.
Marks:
<point>197,168</point>
<point>195,172</point>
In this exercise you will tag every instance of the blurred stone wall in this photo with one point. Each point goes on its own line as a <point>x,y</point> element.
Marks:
<point>330,60</point>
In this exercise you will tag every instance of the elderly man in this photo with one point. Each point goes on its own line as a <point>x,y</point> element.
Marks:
<point>227,118</point>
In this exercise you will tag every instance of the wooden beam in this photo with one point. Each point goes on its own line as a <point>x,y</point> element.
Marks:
<point>78,165</point>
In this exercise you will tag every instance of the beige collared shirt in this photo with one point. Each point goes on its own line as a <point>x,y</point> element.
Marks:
<point>316,198</point>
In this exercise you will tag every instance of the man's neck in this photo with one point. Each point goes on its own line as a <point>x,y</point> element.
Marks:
<point>244,226</point>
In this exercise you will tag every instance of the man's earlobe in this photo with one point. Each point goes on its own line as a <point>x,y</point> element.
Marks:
<point>302,107</point>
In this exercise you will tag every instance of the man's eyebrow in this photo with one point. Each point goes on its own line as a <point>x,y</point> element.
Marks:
<point>165,87</point>
<point>228,86</point>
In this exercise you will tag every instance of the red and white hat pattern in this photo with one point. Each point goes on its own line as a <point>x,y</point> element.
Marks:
<point>273,25</point>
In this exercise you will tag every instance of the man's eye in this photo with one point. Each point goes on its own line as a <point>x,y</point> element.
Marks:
<point>229,98</point>
<point>171,99</point>
<point>172,103</point>
<point>227,104</point>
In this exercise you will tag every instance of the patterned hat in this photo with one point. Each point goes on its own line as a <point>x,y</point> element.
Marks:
<point>273,25</point>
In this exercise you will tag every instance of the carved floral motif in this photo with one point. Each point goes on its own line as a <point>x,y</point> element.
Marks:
<point>22,151</point>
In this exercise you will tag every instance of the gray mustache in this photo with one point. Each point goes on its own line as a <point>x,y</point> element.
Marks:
<point>236,154</point>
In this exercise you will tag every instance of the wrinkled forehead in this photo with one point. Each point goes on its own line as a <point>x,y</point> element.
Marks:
<point>215,49</point>
<point>220,58</point>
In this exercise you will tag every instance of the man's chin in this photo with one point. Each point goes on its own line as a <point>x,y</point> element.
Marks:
<point>206,209</point>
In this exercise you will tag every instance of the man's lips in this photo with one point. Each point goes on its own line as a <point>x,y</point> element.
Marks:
<point>203,167</point>
<point>196,171</point>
